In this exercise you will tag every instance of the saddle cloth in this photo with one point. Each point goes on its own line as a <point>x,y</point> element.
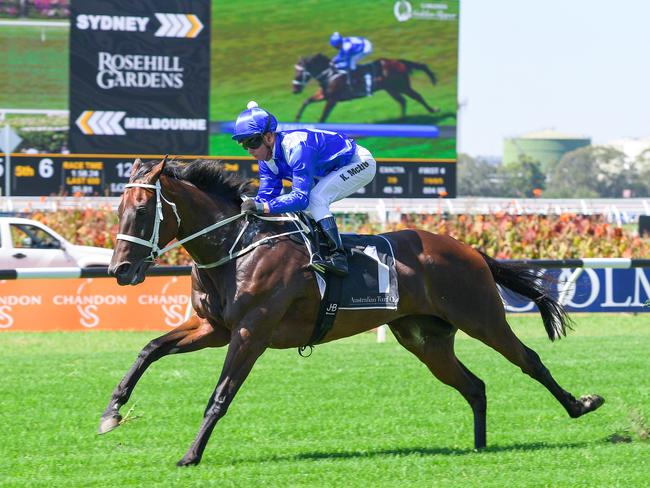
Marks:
<point>372,282</point>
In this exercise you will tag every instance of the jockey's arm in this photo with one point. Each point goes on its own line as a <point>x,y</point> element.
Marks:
<point>270,184</point>
<point>298,198</point>
<point>340,60</point>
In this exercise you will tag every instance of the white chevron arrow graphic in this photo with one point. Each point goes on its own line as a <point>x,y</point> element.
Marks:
<point>176,25</point>
<point>186,25</point>
<point>164,25</point>
<point>115,123</point>
<point>103,123</point>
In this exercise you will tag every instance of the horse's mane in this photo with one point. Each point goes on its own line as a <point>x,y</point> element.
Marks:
<point>314,57</point>
<point>209,176</point>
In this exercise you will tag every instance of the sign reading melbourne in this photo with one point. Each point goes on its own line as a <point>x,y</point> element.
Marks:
<point>139,76</point>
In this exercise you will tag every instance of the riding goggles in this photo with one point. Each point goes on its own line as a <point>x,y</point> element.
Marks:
<point>252,142</point>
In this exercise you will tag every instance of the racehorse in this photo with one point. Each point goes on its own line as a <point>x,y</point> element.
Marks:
<point>392,75</point>
<point>253,290</point>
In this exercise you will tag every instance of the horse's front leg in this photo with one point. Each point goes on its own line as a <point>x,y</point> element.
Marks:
<point>192,335</point>
<point>318,97</point>
<point>328,108</point>
<point>243,350</point>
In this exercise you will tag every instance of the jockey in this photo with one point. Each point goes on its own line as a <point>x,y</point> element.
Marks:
<point>351,50</point>
<point>323,166</point>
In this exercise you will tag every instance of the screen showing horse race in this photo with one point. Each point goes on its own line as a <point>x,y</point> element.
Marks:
<point>384,72</point>
<point>172,78</point>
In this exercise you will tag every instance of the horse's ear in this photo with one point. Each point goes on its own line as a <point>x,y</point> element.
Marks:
<point>135,166</point>
<point>155,172</point>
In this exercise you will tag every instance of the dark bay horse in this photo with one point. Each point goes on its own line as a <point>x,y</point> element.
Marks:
<point>252,290</point>
<point>392,75</point>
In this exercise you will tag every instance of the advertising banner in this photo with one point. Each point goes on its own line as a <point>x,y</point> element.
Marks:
<point>159,303</point>
<point>596,290</point>
<point>139,76</point>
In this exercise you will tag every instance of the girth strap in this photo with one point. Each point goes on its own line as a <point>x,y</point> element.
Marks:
<point>327,311</point>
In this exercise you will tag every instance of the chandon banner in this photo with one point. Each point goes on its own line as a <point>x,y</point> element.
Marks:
<point>139,76</point>
<point>162,302</point>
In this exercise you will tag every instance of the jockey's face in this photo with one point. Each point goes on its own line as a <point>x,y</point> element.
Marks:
<point>265,151</point>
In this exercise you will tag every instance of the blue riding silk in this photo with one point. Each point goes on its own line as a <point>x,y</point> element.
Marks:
<point>301,156</point>
<point>351,46</point>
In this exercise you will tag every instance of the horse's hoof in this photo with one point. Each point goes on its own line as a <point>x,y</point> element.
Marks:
<point>591,403</point>
<point>109,423</point>
<point>188,461</point>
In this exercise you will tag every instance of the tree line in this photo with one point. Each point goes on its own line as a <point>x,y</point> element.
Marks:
<point>587,172</point>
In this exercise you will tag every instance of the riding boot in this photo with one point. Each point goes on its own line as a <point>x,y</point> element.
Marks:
<point>337,261</point>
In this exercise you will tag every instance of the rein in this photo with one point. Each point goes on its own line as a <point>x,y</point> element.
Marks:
<point>153,241</point>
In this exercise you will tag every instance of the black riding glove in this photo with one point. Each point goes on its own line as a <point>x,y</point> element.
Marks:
<point>251,206</point>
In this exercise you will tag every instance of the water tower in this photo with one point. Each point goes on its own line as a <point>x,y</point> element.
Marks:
<point>546,146</point>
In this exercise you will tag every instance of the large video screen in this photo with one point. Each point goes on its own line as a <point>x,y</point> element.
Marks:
<point>260,49</point>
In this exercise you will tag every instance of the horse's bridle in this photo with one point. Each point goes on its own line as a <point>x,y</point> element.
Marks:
<point>155,236</point>
<point>306,75</point>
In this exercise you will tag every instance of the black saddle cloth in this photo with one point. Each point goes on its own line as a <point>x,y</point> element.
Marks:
<point>372,282</point>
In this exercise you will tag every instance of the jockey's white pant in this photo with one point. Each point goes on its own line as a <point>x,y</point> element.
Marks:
<point>341,183</point>
<point>367,49</point>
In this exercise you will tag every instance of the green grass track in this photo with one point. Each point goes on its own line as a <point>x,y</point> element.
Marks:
<point>356,413</point>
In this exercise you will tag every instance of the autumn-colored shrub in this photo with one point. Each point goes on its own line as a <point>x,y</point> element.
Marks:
<point>501,235</point>
<point>507,236</point>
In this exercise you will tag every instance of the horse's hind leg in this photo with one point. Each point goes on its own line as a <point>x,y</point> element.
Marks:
<point>418,98</point>
<point>504,340</point>
<point>431,339</point>
<point>192,335</point>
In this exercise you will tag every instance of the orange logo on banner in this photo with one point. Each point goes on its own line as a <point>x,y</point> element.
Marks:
<point>77,304</point>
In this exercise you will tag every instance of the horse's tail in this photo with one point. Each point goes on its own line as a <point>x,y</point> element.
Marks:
<point>412,65</point>
<point>528,283</point>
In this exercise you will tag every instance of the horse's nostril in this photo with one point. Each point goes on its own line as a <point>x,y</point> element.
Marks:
<point>120,269</point>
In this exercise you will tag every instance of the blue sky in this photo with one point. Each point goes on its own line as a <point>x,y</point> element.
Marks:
<point>576,66</point>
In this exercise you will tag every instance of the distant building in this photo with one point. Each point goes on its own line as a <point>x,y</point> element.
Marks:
<point>546,146</point>
<point>631,147</point>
